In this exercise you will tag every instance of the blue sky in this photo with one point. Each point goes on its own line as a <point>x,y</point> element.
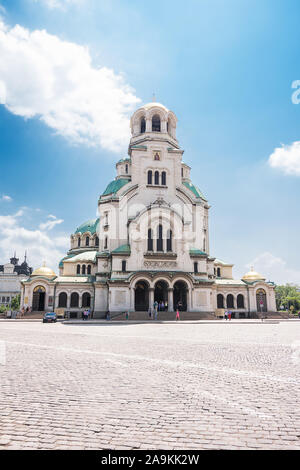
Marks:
<point>225,68</point>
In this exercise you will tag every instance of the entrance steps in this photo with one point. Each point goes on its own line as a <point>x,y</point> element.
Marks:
<point>164,316</point>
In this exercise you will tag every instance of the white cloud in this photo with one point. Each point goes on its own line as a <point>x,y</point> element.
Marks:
<point>39,246</point>
<point>61,4</point>
<point>54,80</point>
<point>6,198</point>
<point>275,269</point>
<point>50,224</point>
<point>287,158</point>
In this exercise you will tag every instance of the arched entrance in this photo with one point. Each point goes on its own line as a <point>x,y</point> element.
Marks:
<point>142,296</point>
<point>261,300</point>
<point>161,293</point>
<point>180,296</point>
<point>38,299</point>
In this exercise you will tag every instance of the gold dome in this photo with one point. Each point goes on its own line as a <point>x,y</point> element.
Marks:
<point>44,271</point>
<point>253,276</point>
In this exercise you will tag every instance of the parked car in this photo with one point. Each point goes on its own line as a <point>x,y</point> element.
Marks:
<point>50,317</point>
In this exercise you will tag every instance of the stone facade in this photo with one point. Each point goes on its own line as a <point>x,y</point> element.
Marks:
<point>150,242</point>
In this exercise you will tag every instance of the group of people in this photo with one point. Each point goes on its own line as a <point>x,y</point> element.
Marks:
<point>227,315</point>
<point>86,314</point>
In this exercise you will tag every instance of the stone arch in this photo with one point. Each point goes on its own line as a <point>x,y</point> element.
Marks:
<point>39,298</point>
<point>240,301</point>
<point>180,295</point>
<point>220,301</point>
<point>230,301</point>
<point>261,300</point>
<point>74,301</point>
<point>86,300</point>
<point>161,288</point>
<point>141,295</point>
<point>62,300</point>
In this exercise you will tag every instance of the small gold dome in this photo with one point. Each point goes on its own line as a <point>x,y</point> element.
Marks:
<point>253,276</point>
<point>44,271</point>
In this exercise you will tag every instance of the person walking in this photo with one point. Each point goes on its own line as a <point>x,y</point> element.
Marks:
<point>166,306</point>
<point>177,315</point>
<point>150,313</point>
<point>229,315</point>
<point>226,315</point>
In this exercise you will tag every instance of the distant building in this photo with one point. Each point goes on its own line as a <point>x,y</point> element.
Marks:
<point>11,275</point>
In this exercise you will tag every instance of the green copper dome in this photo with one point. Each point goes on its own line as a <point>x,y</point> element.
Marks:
<point>89,226</point>
<point>115,185</point>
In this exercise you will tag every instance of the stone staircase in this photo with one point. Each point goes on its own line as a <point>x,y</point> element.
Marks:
<point>164,316</point>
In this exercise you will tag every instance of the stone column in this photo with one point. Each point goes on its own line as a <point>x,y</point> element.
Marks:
<point>151,297</point>
<point>148,125</point>
<point>170,300</point>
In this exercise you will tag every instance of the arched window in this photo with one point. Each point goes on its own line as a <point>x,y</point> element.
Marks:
<point>240,301</point>
<point>156,123</point>
<point>156,177</point>
<point>83,269</point>
<point>230,301</point>
<point>160,244</point>
<point>182,172</point>
<point>218,272</point>
<point>97,241</point>
<point>86,300</point>
<point>143,125</point>
<point>105,243</point>
<point>87,241</point>
<point>79,242</point>
<point>164,178</point>
<point>74,300</point>
<point>196,267</point>
<point>78,268</point>
<point>126,169</point>
<point>62,300</point>
<point>220,301</point>
<point>149,177</point>
<point>169,240</point>
<point>123,266</point>
<point>150,240</point>
<point>204,245</point>
<point>89,269</point>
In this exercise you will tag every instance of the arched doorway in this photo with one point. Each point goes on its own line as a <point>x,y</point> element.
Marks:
<point>220,301</point>
<point>86,300</point>
<point>161,293</point>
<point>62,300</point>
<point>180,292</point>
<point>142,296</point>
<point>230,301</point>
<point>38,300</point>
<point>261,300</point>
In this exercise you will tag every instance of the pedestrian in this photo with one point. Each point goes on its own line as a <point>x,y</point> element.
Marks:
<point>229,315</point>
<point>177,315</point>
<point>155,314</point>
<point>162,307</point>
<point>166,306</point>
<point>226,315</point>
<point>127,315</point>
<point>150,313</point>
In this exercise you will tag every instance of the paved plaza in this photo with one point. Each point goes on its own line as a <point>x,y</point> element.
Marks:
<point>150,386</point>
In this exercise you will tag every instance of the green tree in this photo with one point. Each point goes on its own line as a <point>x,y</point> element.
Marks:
<point>287,295</point>
<point>15,303</point>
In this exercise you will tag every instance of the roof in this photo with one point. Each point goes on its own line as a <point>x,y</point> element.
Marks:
<point>115,186</point>
<point>89,226</point>
<point>219,261</point>
<point>123,160</point>
<point>226,282</point>
<point>197,252</point>
<point>85,256</point>
<point>122,249</point>
<point>78,279</point>
<point>194,189</point>
<point>154,104</point>
<point>61,263</point>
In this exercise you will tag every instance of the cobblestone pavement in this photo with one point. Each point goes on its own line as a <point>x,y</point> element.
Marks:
<point>150,386</point>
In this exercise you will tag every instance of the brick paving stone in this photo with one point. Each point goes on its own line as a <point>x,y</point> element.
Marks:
<point>164,386</point>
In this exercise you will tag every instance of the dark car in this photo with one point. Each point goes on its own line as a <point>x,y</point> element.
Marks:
<point>50,317</point>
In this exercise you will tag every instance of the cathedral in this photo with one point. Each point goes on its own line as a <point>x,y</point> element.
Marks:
<point>150,242</point>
